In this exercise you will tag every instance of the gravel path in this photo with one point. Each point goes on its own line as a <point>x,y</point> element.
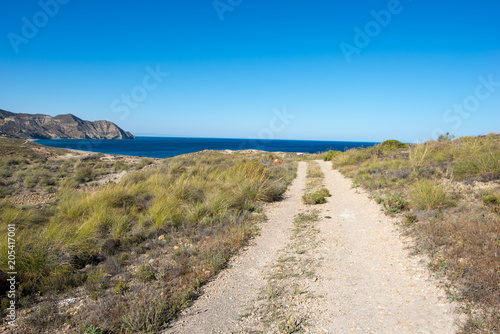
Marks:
<point>364,279</point>
<point>369,281</point>
<point>227,297</point>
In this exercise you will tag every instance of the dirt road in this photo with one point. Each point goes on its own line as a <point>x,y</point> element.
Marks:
<point>341,268</point>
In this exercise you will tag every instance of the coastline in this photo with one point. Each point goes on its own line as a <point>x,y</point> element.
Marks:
<point>165,147</point>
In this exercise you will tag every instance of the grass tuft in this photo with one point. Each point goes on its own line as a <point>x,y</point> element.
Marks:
<point>428,195</point>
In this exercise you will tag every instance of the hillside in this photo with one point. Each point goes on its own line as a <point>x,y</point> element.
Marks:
<point>127,241</point>
<point>68,126</point>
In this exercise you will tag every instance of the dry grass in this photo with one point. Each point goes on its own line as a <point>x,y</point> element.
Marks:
<point>450,188</point>
<point>428,195</point>
<point>138,251</point>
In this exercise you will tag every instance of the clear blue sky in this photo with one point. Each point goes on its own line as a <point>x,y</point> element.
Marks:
<point>227,77</point>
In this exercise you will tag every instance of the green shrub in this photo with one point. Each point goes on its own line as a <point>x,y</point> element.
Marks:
<point>410,220</point>
<point>318,197</point>
<point>145,273</point>
<point>393,144</point>
<point>324,192</point>
<point>328,156</point>
<point>84,174</point>
<point>91,329</point>
<point>428,195</point>
<point>445,137</point>
<point>491,198</point>
<point>120,287</point>
<point>394,203</point>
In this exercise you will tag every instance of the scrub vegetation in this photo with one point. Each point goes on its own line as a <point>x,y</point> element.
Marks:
<point>446,193</point>
<point>100,256</point>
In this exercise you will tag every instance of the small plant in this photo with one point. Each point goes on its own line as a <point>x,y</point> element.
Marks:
<point>271,291</point>
<point>120,287</point>
<point>91,329</point>
<point>410,220</point>
<point>145,273</point>
<point>446,137</point>
<point>394,203</point>
<point>318,197</point>
<point>289,326</point>
<point>84,174</point>
<point>493,199</point>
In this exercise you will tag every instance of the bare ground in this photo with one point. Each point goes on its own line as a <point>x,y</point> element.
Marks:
<point>342,269</point>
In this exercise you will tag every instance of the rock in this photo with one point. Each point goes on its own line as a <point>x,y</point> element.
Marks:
<point>68,301</point>
<point>68,126</point>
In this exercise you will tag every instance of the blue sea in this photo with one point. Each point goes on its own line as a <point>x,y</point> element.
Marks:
<point>164,147</point>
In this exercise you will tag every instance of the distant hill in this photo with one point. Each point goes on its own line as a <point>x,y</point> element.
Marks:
<point>68,126</point>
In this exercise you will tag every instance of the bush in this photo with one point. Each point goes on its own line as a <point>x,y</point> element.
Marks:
<point>328,156</point>
<point>318,197</point>
<point>428,195</point>
<point>91,329</point>
<point>84,174</point>
<point>324,192</point>
<point>393,144</point>
<point>120,287</point>
<point>145,273</point>
<point>445,137</point>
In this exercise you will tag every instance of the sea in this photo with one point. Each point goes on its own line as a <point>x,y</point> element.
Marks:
<point>165,147</point>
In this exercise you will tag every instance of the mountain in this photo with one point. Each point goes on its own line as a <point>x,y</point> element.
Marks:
<point>68,126</point>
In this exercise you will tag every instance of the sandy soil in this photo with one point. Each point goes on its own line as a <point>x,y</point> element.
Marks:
<point>364,278</point>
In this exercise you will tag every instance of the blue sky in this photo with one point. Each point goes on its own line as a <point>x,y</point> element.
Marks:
<point>234,65</point>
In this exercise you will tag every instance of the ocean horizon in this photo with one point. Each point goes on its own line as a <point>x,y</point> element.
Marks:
<point>166,147</point>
